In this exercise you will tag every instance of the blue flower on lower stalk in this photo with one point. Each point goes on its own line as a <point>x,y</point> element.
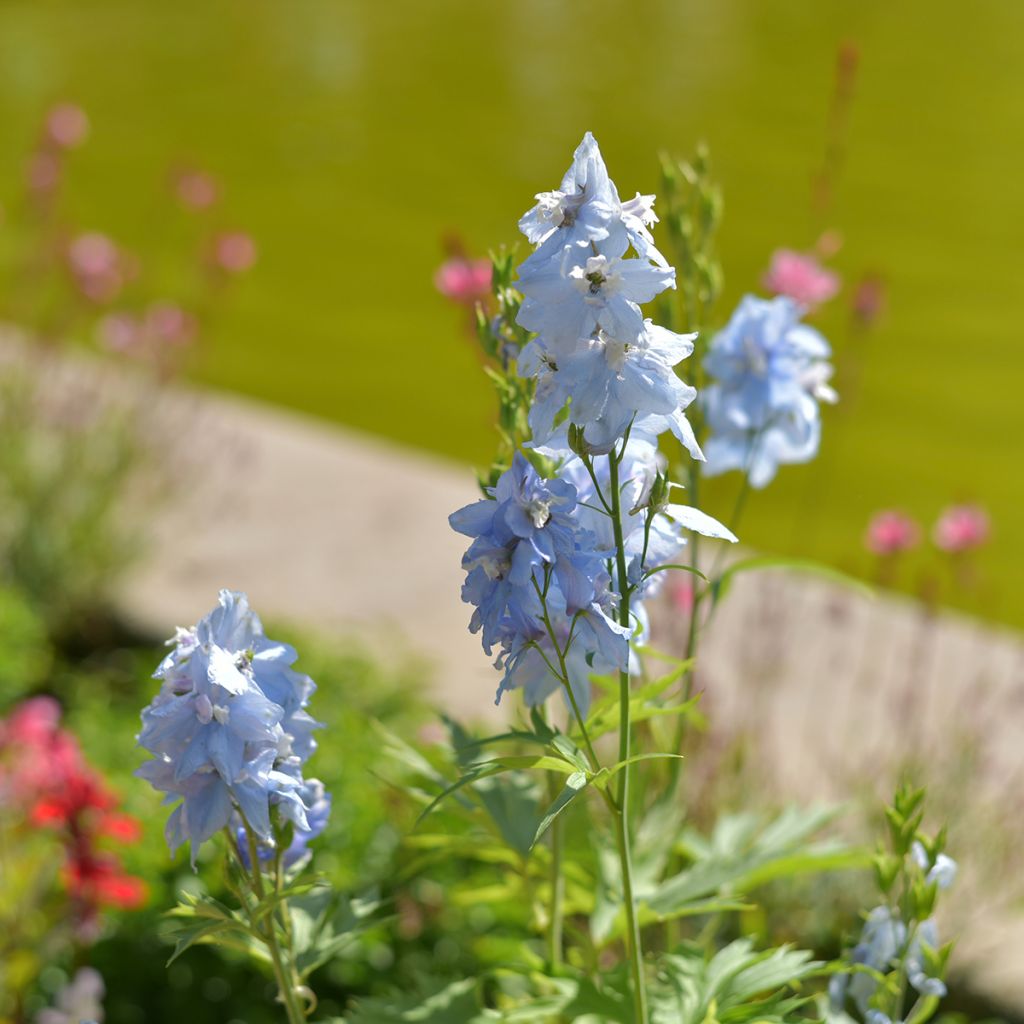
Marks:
<point>592,643</point>
<point>228,730</point>
<point>316,802</point>
<point>525,539</point>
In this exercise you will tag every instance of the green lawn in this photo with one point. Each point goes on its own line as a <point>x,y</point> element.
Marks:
<point>352,135</point>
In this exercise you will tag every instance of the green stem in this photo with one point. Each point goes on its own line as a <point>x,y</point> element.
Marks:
<point>557,895</point>
<point>563,675</point>
<point>633,942</point>
<point>285,988</point>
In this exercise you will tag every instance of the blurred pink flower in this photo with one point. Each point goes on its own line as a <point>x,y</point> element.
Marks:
<point>196,190</point>
<point>163,324</point>
<point>801,277</point>
<point>680,592</point>
<point>464,281</point>
<point>120,332</point>
<point>97,266</point>
<point>891,532</point>
<point>234,252</point>
<point>168,323</point>
<point>961,528</point>
<point>66,126</point>
<point>32,721</point>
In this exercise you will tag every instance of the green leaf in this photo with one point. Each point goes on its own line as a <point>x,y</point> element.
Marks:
<point>737,985</point>
<point>720,586</point>
<point>741,854</point>
<point>574,785</point>
<point>454,1003</point>
<point>605,775</point>
<point>324,922</point>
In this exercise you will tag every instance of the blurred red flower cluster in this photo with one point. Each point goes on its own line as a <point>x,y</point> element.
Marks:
<point>46,782</point>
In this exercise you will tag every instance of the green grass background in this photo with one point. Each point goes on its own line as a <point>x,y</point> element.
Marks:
<point>352,135</point>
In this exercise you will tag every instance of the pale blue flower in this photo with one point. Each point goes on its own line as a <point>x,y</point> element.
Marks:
<point>229,728</point>
<point>586,211</point>
<point>881,942</point>
<point>316,803</point>
<point>927,934</point>
<point>770,372</point>
<point>941,872</point>
<point>609,384</point>
<point>599,646</point>
<point>568,297</point>
<point>529,526</point>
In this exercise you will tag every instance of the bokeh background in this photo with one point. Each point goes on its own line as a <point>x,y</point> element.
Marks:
<point>353,146</point>
<point>353,137</point>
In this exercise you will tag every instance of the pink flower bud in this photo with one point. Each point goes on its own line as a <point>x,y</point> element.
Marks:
<point>961,528</point>
<point>97,266</point>
<point>801,278</point>
<point>167,323</point>
<point>196,190</point>
<point>464,281</point>
<point>120,332</point>
<point>234,252</point>
<point>66,126</point>
<point>891,532</point>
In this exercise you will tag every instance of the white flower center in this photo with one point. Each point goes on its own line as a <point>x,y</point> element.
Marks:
<point>539,512</point>
<point>495,566</point>
<point>598,279</point>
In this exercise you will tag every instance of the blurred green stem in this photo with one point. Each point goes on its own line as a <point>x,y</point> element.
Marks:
<point>286,987</point>
<point>633,942</point>
<point>557,893</point>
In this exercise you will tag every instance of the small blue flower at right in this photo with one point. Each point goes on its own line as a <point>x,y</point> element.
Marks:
<point>770,372</point>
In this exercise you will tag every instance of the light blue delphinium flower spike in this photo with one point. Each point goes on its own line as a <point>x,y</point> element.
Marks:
<point>769,373</point>
<point>582,294</point>
<point>228,730</point>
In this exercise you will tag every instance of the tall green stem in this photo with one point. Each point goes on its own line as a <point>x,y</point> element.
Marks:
<point>557,897</point>
<point>633,944</point>
<point>285,985</point>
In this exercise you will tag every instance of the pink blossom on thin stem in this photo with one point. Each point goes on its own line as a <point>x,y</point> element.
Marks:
<point>196,190</point>
<point>234,252</point>
<point>167,323</point>
<point>163,326</point>
<point>463,280</point>
<point>961,528</point>
<point>66,127</point>
<point>891,532</point>
<point>800,277</point>
<point>97,265</point>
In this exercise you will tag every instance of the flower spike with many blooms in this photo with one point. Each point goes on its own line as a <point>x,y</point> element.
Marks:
<point>228,730</point>
<point>538,568</point>
<point>594,351</point>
